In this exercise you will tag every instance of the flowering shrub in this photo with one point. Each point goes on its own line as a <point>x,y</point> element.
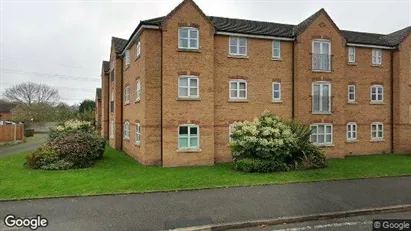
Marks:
<point>268,144</point>
<point>70,126</point>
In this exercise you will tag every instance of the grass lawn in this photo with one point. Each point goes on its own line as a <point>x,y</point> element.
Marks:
<point>118,173</point>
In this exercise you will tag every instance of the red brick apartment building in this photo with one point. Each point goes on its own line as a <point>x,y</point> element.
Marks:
<point>171,91</point>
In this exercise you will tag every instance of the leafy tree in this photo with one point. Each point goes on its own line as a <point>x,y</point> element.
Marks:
<point>87,104</point>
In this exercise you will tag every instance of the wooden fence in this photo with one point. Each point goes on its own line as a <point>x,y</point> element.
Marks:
<point>11,132</point>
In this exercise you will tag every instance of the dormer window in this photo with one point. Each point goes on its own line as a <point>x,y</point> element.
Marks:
<point>188,38</point>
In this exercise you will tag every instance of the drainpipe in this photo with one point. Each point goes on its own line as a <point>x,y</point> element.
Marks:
<point>293,82</point>
<point>161,99</point>
<point>392,100</point>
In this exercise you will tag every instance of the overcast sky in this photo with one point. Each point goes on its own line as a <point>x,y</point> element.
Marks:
<point>62,43</point>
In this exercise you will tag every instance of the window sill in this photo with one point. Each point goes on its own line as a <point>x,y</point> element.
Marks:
<point>189,150</point>
<point>188,99</point>
<point>126,139</point>
<point>137,144</point>
<point>188,50</point>
<point>277,59</point>
<point>238,56</point>
<point>351,141</point>
<point>137,57</point>
<point>137,101</point>
<point>377,140</point>
<point>325,145</point>
<point>352,64</point>
<point>321,71</point>
<point>277,101</point>
<point>352,102</point>
<point>126,103</point>
<point>377,65</point>
<point>321,113</point>
<point>377,103</point>
<point>238,100</point>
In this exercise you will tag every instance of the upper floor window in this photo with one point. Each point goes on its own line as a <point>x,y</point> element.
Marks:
<point>238,46</point>
<point>276,91</point>
<point>188,38</point>
<point>238,89</point>
<point>188,136</point>
<point>127,58</point>
<point>377,131</point>
<point>321,94</point>
<point>112,76</point>
<point>351,93</point>
<point>351,54</point>
<point>351,131</point>
<point>377,94</point>
<point>126,130</point>
<point>322,134</point>
<point>138,134</point>
<point>376,56</point>
<point>138,90</point>
<point>188,87</point>
<point>276,49</point>
<point>138,48</point>
<point>127,95</point>
<point>321,55</point>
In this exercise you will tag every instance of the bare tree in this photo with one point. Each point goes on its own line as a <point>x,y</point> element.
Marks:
<point>32,93</point>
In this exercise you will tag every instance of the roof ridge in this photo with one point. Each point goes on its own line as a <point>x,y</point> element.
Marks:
<point>363,32</point>
<point>252,20</point>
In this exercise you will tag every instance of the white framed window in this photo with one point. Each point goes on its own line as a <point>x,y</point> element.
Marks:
<point>322,134</point>
<point>238,89</point>
<point>127,58</point>
<point>188,136</point>
<point>351,93</point>
<point>188,86</point>
<point>352,131</point>
<point>377,93</point>
<point>138,48</point>
<point>238,46</point>
<point>127,95</point>
<point>276,91</point>
<point>321,55</point>
<point>126,130</point>
<point>276,49</point>
<point>377,131</point>
<point>138,134</point>
<point>138,90</point>
<point>230,131</point>
<point>351,54</point>
<point>376,56</point>
<point>321,96</point>
<point>111,129</point>
<point>112,95</point>
<point>188,38</point>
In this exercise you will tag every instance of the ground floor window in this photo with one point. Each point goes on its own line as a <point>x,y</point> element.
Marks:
<point>322,134</point>
<point>377,131</point>
<point>188,136</point>
<point>126,130</point>
<point>138,134</point>
<point>351,131</point>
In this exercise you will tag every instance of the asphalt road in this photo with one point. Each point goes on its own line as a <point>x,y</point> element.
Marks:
<point>31,144</point>
<point>360,223</point>
<point>156,211</point>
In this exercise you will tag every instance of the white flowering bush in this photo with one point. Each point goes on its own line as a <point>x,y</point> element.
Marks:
<point>70,126</point>
<point>268,144</point>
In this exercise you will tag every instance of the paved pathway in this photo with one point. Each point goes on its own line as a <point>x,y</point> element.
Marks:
<point>155,211</point>
<point>31,144</point>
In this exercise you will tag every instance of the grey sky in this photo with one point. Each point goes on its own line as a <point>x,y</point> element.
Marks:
<point>62,43</point>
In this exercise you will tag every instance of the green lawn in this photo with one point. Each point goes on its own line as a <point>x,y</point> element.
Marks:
<point>118,173</point>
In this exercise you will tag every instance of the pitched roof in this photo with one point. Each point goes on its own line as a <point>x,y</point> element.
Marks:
<point>396,37</point>
<point>98,93</point>
<point>245,26</point>
<point>6,107</point>
<point>106,66</point>
<point>118,43</point>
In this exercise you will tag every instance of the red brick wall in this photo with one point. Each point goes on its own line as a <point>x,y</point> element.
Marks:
<point>5,116</point>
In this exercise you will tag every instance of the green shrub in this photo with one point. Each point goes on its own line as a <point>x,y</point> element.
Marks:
<point>80,148</point>
<point>42,157</point>
<point>268,144</point>
<point>258,165</point>
<point>69,127</point>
